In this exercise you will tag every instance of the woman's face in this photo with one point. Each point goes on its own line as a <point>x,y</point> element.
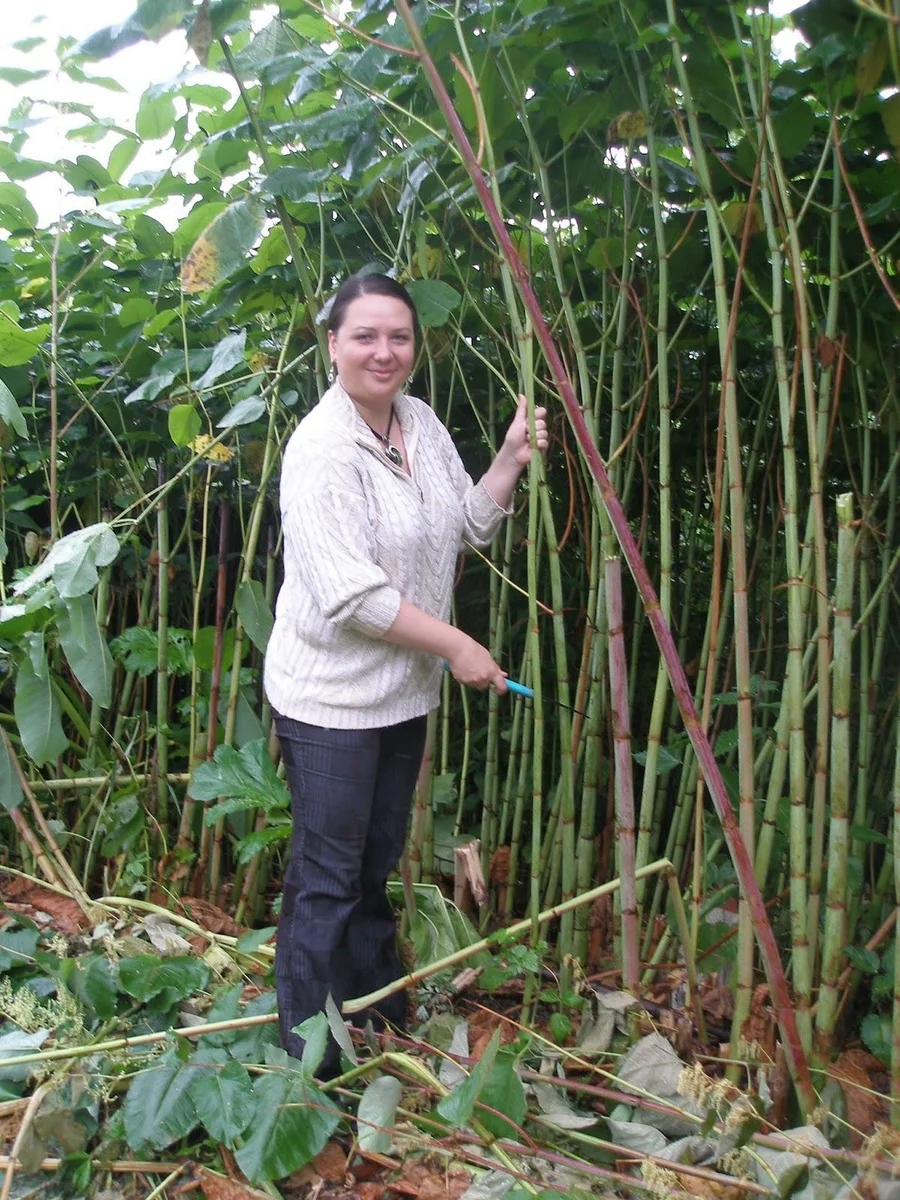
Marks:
<point>374,348</point>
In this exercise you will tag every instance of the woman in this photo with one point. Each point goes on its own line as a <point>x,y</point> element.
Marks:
<point>375,505</point>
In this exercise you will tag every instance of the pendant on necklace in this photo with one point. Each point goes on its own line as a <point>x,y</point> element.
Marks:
<point>394,455</point>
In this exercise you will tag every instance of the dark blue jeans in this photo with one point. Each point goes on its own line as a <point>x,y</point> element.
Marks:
<point>351,792</point>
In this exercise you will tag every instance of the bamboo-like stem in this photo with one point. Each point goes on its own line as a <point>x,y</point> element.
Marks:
<point>895,1026</point>
<point>63,1053</point>
<point>621,726</point>
<point>102,606</point>
<point>834,936</point>
<point>503,936</point>
<point>726,319</point>
<point>742,861</point>
<point>61,873</point>
<point>34,1103</point>
<point>162,656</point>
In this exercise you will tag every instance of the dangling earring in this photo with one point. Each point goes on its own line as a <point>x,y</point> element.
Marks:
<point>409,380</point>
<point>331,373</point>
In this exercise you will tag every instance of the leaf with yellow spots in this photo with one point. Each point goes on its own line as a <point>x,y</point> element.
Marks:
<point>202,444</point>
<point>870,66</point>
<point>628,125</point>
<point>735,214</point>
<point>890,117</point>
<point>222,246</point>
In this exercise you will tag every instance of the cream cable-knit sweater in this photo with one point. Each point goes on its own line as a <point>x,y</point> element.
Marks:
<point>359,535</point>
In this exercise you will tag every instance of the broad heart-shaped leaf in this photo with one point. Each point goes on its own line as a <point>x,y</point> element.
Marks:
<point>222,246</point>
<point>294,1120</point>
<point>158,1109</point>
<point>227,354</point>
<point>164,981</point>
<point>155,117</point>
<point>503,1092</point>
<point>253,609</point>
<point>85,648</point>
<point>184,424</point>
<point>73,561</point>
<point>10,784</point>
<point>18,345</point>
<point>434,301</point>
<point>246,774</point>
<point>224,1100</point>
<point>152,19</point>
<point>242,413</point>
<point>376,1112</point>
<point>93,981</point>
<point>10,413</point>
<point>459,1104</point>
<point>36,707</point>
<point>314,1032</point>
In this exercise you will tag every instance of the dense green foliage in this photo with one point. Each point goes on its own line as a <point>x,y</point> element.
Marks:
<point>711,233</point>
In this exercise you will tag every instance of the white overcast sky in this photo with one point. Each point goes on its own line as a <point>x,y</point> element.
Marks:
<point>135,68</point>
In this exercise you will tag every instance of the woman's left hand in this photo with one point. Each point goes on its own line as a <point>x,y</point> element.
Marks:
<point>517,443</point>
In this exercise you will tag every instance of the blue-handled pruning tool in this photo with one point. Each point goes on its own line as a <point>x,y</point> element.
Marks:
<point>519,689</point>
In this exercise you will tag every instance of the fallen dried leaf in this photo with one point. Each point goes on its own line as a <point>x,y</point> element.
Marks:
<point>211,917</point>
<point>25,897</point>
<point>331,1162</point>
<point>854,1070</point>
<point>718,1002</point>
<point>434,1183</point>
<point>220,1187</point>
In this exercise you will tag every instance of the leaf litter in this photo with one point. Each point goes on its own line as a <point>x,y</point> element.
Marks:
<point>473,1105</point>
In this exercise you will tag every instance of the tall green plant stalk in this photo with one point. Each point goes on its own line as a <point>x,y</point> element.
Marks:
<point>664,403</point>
<point>162,657</point>
<point>102,606</point>
<point>742,861</point>
<point>726,316</point>
<point>621,725</point>
<point>834,937</point>
<point>895,1026</point>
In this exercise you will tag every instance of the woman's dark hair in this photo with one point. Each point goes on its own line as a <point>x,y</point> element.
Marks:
<point>367,285</point>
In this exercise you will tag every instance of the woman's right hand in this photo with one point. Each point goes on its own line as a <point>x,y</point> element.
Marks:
<point>471,665</point>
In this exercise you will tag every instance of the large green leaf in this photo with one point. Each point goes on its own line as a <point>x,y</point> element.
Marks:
<point>376,1113</point>
<point>18,345</point>
<point>226,355</point>
<point>86,648</point>
<point>503,1092</point>
<point>74,560</point>
<point>184,424</point>
<point>459,1104</point>
<point>158,1109</point>
<point>36,707</point>
<point>250,409</point>
<point>10,784</point>
<point>155,117</point>
<point>224,1100</point>
<point>151,19</point>
<point>434,301</point>
<point>10,413</point>
<point>164,981</point>
<point>222,247</point>
<point>246,775</point>
<point>294,1120</point>
<point>16,210</point>
<point>253,609</point>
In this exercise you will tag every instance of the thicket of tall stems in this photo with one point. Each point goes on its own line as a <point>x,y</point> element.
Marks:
<point>727,335</point>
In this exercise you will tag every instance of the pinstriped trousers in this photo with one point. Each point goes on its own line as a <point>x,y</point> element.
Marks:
<point>351,792</point>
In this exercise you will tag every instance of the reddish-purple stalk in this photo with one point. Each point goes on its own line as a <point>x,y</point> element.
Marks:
<point>743,865</point>
<point>621,723</point>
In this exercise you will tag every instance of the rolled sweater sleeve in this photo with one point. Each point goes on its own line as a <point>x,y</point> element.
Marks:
<point>330,543</point>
